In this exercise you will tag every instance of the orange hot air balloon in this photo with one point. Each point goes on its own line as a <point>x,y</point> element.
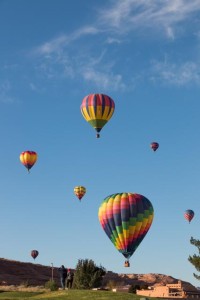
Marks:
<point>28,159</point>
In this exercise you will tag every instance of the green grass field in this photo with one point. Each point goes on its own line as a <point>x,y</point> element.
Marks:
<point>69,295</point>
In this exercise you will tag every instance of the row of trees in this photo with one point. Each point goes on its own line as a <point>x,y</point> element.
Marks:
<point>88,275</point>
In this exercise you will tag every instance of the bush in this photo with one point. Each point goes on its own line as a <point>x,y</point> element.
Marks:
<point>25,283</point>
<point>88,275</point>
<point>133,288</point>
<point>51,285</point>
<point>111,284</point>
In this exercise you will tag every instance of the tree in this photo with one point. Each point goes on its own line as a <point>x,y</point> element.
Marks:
<point>88,275</point>
<point>195,259</point>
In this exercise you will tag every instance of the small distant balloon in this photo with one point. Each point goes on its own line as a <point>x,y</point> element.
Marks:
<point>28,159</point>
<point>97,109</point>
<point>34,254</point>
<point>189,215</point>
<point>79,191</point>
<point>154,146</point>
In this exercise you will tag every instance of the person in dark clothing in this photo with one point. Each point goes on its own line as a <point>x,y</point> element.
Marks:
<point>70,277</point>
<point>63,275</point>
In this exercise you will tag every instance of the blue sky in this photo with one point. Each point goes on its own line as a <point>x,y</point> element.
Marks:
<point>145,55</point>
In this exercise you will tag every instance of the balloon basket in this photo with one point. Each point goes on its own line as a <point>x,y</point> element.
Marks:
<point>127,264</point>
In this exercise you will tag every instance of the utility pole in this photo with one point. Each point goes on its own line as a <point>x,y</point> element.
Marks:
<point>51,271</point>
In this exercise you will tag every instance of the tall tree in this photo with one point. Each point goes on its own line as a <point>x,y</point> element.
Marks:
<point>195,259</point>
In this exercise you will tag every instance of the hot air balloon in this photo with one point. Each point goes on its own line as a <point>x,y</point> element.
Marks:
<point>28,159</point>
<point>126,219</point>
<point>154,146</point>
<point>189,215</point>
<point>79,191</point>
<point>97,109</point>
<point>34,254</point>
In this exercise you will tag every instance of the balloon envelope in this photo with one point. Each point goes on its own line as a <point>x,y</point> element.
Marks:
<point>34,253</point>
<point>79,191</point>
<point>189,215</point>
<point>28,159</point>
<point>154,146</point>
<point>126,219</point>
<point>97,109</point>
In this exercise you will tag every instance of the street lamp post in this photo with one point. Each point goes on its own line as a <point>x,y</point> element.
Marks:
<point>51,271</point>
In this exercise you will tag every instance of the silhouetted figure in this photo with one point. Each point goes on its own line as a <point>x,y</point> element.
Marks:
<point>63,275</point>
<point>70,278</point>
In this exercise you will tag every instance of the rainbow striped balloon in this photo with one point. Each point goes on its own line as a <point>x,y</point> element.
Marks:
<point>97,109</point>
<point>126,219</point>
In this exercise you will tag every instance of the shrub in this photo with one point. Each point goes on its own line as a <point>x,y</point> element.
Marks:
<point>25,283</point>
<point>111,284</point>
<point>51,285</point>
<point>133,288</point>
<point>88,275</point>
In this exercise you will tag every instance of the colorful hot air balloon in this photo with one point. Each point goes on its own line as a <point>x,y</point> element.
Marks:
<point>126,219</point>
<point>28,159</point>
<point>154,146</point>
<point>34,254</point>
<point>79,191</point>
<point>97,109</point>
<point>189,215</point>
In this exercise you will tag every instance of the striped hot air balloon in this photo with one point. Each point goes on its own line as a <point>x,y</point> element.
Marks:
<point>34,254</point>
<point>28,159</point>
<point>189,215</point>
<point>79,191</point>
<point>154,146</point>
<point>126,219</point>
<point>97,109</point>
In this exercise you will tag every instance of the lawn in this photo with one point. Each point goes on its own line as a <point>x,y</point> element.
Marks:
<point>69,295</point>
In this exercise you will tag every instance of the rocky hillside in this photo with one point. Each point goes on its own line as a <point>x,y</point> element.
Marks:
<point>18,273</point>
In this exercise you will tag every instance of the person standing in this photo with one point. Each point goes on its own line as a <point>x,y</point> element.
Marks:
<point>63,275</point>
<point>70,277</point>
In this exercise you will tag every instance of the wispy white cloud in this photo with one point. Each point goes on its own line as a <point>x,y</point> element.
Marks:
<point>170,33</point>
<point>111,40</point>
<point>128,15</point>
<point>176,74</point>
<point>104,80</point>
<point>57,44</point>
<point>5,88</point>
<point>116,20</point>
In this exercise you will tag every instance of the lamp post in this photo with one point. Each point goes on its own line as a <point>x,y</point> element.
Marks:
<point>51,271</point>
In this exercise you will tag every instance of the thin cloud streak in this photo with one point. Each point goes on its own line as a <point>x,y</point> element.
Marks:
<point>176,74</point>
<point>130,15</point>
<point>59,60</point>
<point>56,45</point>
<point>5,89</point>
